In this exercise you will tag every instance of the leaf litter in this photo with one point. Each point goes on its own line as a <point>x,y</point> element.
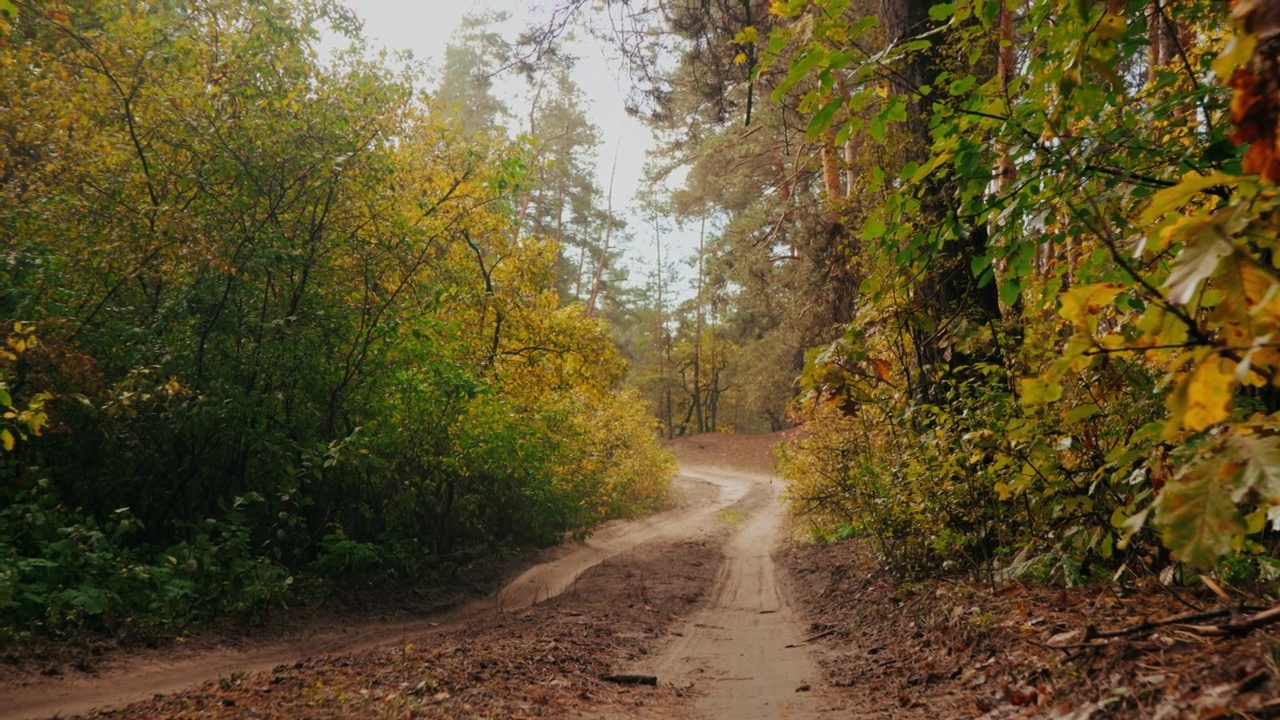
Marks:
<point>546,661</point>
<point>941,648</point>
<point>951,648</point>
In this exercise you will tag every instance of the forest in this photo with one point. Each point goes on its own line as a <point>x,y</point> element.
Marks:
<point>1007,263</point>
<point>272,321</point>
<point>275,315</point>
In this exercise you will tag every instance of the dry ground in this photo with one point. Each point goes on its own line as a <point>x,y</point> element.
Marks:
<point>735,622</point>
<point>959,649</point>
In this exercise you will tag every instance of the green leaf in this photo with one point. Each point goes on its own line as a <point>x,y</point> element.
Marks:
<point>877,179</point>
<point>879,124</point>
<point>821,120</point>
<point>1010,290</point>
<point>962,85</point>
<point>806,61</point>
<point>897,109</point>
<point>942,11</point>
<point>6,400</point>
<point>861,26</point>
<point>844,133</point>
<point>777,41</point>
<point>6,439</point>
<point>1081,412</point>
<point>874,228</point>
<point>93,601</point>
<point>8,8</point>
<point>1198,520</point>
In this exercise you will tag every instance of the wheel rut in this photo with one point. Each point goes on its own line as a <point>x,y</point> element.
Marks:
<point>734,655</point>
<point>744,657</point>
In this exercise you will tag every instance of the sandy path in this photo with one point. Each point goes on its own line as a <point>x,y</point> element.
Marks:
<point>734,653</point>
<point>744,655</point>
<point>701,492</point>
<point>706,491</point>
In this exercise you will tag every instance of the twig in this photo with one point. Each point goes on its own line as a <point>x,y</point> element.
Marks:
<point>631,679</point>
<point>811,638</point>
<point>1188,622</point>
<point>1147,625</point>
<point>1068,647</point>
<point>1238,627</point>
<point>1215,588</point>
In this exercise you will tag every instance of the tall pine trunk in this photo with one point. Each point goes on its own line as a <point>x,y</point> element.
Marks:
<point>948,290</point>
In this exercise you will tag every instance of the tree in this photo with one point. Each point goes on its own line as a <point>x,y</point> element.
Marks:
<point>286,323</point>
<point>1052,142</point>
<point>470,66</point>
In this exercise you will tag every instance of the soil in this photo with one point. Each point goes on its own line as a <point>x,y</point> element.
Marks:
<point>951,648</point>
<point>730,618</point>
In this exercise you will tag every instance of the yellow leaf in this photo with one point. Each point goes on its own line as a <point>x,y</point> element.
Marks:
<point>1111,27</point>
<point>1160,327</point>
<point>1172,198</point>
<point>1038,391</point>
<point>1082,303</point>
<point>1262,292</point>
<point>6,439</point>
<point>1204,395</point>
<point>1237,52</point>
<point>1081,412</point>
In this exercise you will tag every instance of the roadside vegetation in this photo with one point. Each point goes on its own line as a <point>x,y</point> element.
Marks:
<point>1020,256</point>
<point>270,319</point>
<point>1061,363</point>
<point>270,316</point>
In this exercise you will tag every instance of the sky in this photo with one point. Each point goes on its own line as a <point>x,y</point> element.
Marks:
<point>425,27</point>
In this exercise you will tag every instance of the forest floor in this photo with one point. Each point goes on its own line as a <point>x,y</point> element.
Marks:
<point>732,618</point>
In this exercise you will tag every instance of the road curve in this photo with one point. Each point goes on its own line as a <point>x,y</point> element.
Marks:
<point>706,490</point>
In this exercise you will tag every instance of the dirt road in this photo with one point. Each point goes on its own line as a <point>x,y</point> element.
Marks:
<point>732,654</point>
<point>745,651</point>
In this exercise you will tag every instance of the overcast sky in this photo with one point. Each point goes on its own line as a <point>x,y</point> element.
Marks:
<point>425,27</point>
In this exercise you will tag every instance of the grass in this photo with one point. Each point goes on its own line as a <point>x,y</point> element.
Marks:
<point>731,516</point>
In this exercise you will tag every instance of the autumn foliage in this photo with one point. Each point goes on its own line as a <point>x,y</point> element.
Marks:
<point>1108,170</point>
<point>268,317</point>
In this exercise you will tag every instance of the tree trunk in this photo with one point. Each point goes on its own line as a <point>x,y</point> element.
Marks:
<point>831,168</point>
<point>697,334</point>
<point>948,289</point>
<point>664,356</point>
<point>598,281</point>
